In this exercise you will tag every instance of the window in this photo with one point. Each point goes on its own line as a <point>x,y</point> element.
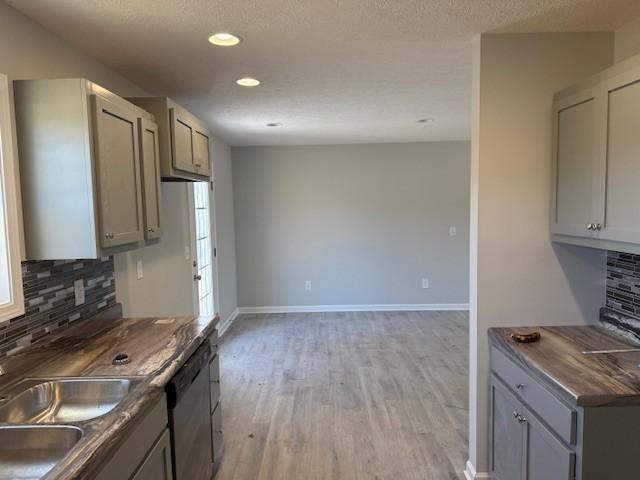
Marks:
<point>11,295</point>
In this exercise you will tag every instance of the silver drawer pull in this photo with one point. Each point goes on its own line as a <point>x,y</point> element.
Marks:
<point>520,386</point>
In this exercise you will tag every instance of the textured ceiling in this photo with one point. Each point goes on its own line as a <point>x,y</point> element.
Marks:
<point>333,71</point>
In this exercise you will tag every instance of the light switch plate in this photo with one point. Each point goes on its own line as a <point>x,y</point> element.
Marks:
<point>139,270</point>
<point>453,231</point>
<point>78,290</point>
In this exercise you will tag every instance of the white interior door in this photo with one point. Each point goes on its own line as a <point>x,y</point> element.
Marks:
<point>204,258</point>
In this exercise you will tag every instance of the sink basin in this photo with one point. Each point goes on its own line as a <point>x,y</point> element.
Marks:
<point>29,452</point>
<point>63,400</point>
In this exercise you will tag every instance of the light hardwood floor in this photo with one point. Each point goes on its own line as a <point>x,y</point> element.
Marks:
<point>379,395</point>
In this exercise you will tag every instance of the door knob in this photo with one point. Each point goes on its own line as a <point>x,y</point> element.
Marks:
<point>197,277</point>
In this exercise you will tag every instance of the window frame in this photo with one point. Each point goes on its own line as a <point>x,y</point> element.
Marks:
<point>9,178</point>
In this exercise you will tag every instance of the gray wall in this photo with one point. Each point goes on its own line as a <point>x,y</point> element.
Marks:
<point>225,230</point>
<point>364,223</point>
<point>518,277</point>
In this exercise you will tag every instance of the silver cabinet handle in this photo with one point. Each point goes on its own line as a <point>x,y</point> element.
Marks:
<point>151,230</point>
<point>597,227</point>
<point>590,226</point>
<point>515,414</point>
<point>520,386</point>
<point>109,235</point>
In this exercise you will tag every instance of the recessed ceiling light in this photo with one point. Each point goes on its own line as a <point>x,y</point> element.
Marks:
<point>248,82</point>
<point>223,39</point>
<point>275,124</point>
<point>426,120</point>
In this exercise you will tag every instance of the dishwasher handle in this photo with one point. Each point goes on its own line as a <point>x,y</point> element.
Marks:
<point>181,381</point>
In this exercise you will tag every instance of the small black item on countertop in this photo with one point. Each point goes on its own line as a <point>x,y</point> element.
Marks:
<point>525,337</point>
<point>121,359</point>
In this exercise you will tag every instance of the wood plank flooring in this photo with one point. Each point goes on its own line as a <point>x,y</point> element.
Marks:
<point>366,395</point>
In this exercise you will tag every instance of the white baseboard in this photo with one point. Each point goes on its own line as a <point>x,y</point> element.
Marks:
<point>226,323</point>
<point>418,307</point>
<point>471,474</point>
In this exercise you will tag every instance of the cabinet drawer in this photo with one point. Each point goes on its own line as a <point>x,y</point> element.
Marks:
<point>546,405</point>
<point>214,380</point>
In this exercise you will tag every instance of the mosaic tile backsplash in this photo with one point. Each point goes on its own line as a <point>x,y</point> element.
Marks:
<point>622,311</point>
<point>50,299</point>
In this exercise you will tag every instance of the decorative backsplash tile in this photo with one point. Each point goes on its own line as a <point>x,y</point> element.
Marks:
<point>623,283</point>
<point>622,311</point>
<point>50,299</point>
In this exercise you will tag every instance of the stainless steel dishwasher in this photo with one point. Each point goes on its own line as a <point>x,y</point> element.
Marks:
<point>189,420</point>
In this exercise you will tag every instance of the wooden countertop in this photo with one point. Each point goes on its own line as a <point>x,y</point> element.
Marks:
<point>584,380</point>
<point>157,347</point>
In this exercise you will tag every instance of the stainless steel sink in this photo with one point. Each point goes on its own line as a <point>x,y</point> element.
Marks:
<point>29,452</point>
<point>63,400</point>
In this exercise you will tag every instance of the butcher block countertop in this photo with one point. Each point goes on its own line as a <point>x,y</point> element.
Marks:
<point>157,347</point>
<point>586,380</point>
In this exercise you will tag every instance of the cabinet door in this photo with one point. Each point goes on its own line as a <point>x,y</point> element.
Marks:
<point>575,195</point>
<point>181,140</point>
<point>157,464</point>
<point>546,457</point>
<point>115,138</point>
<point>622,205</point>
<point>201,152</point>
<point>214,380</point>
<point>150,178</point>
<point>506,434</point>
<point>216,433</point>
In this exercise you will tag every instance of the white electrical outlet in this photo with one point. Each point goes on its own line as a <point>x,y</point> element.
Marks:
<point>78,290</point>
<point>425,283</point>
<point>453,231</point>
<point>139,270</point>
<point>307,285</point>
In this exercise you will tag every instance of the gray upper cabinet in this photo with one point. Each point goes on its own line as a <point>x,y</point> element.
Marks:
<point>621,219</point>
<point>596,172</point>
<point>184,140</point>
<point>575,119</point>
<point>117,161</point>
<point>150,161</point>
<point>81,170</point>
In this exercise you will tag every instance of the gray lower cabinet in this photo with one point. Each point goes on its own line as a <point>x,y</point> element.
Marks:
<point>146,453</point>
<point>157,465</point>
<point>506,434</point>
<point>522,447</point>
<point>535,434</point>
<point>545,456</point>
<point>215,404</point>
